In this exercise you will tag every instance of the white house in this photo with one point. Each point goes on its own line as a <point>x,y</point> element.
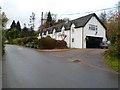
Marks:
<point>84,32</point>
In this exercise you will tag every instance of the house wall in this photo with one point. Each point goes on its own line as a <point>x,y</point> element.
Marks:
<point>101,32</point>
<point>76,35</point>
<point>67,39</point>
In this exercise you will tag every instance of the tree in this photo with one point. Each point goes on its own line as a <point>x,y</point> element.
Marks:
<point>18,26</point>
<point>13,25</point>
<point>60,21</point>
<point>32,21</point>
<point>103,18</point>
<point>3,20</point>
<point>49,19</point>
<point>113,33</point>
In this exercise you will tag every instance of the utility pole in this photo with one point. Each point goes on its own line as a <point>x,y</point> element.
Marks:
<point>41,24</point>
<point>119,6</point>
<point>42,18</point>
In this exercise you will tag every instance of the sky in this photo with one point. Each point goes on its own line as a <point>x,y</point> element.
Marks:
<point>20,10</point>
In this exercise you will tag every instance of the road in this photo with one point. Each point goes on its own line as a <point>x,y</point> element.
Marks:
<point>30,68</point>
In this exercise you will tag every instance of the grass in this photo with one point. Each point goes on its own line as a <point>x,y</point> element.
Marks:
<point>112,61</point>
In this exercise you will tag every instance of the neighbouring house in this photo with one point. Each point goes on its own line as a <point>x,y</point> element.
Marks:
<point>84,32</point>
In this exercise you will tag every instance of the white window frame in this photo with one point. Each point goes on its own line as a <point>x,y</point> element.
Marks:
<point>93,27</point>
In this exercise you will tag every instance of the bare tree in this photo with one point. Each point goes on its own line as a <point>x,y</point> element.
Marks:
<point>32,21</point>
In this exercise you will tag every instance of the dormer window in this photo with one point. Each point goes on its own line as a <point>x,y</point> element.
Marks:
<point>62,31</point>
<point>54,32</point>
<point>73,30</point>
<point>47,33</point>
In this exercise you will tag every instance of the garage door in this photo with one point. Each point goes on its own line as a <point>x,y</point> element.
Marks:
<point>93,42</point>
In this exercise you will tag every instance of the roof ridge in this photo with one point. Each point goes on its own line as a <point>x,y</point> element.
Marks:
<point>84,16</point>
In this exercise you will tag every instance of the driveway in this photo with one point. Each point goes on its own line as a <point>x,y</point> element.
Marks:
<point>88,57</point>
<point>30,68</point>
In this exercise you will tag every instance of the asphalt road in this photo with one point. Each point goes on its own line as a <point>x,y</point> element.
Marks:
<point>29,68</point>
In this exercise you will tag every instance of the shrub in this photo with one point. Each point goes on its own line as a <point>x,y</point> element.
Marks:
<point>47,43</point>
<point>17,41</point>
<point>61,44</point>
<point>25,40</point>
<point>113,50</point>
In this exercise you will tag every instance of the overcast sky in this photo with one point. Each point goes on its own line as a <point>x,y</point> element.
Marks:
<point>22,9</point>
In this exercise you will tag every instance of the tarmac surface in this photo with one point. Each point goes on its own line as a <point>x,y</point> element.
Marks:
<point>76,68</point>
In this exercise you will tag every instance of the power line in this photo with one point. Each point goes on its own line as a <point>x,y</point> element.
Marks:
<point>90,11</point>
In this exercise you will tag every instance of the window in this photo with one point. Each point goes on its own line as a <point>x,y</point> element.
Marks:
<point>72,39</point>
<point>96,28</point>
<point>92,27</point>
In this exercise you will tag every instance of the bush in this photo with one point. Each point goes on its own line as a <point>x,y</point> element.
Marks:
<point>25,40</point>
<point>17,41</point>
<point>47,43</point>
<point>113,50</point>
<point>61,44</point>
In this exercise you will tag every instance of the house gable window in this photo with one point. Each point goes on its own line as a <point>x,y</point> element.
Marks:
<point>93,27</point>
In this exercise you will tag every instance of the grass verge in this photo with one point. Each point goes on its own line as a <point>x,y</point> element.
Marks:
<point>112,61</point>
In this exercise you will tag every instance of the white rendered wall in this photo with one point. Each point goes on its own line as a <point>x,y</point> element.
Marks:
<point>100,30</point>
<point>77,36</point>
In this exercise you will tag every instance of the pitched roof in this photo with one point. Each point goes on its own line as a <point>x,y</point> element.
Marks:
<point>79,22</point>
<point>82,21</point>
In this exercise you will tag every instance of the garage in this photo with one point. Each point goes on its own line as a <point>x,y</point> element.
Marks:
<point>93,42</point>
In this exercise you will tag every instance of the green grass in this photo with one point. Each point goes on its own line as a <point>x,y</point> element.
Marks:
<point>113,62</point>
